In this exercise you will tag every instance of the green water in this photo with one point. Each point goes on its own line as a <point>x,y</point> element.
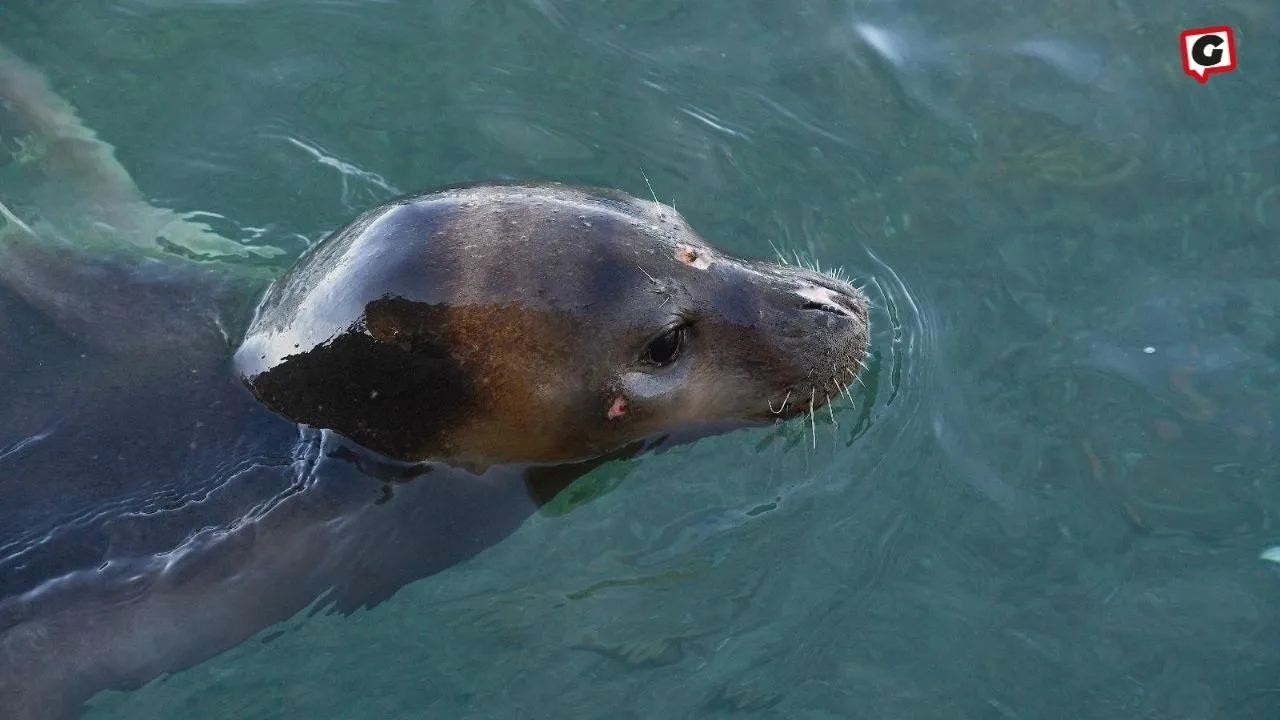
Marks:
<point>1052,499</point>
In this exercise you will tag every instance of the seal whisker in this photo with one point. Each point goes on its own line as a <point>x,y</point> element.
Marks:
<point>813,423</point>
<point>833,412</point>
<point>646,274</point>
<point>780,409</point>
<point>857,377</point>
<point>781,258</point>
<point>848,394</point>
<point>842,387</point>
<point>776,442</point>
<point>646,182</point>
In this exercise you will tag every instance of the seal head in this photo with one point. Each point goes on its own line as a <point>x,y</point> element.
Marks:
<point>541,323</point>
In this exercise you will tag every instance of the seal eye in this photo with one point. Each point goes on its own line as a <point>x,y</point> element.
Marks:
<point>664,349</point>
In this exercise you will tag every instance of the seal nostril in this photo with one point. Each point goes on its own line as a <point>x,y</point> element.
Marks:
<point>824,299</point>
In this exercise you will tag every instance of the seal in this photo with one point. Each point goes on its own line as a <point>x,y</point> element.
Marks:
<point>178,472</point>
<point>595,316</point>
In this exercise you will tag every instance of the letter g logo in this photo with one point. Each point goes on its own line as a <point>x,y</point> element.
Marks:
<point>1206,51</point>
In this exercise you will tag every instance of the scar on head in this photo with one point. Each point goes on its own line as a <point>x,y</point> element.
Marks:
<point>618,408</point>
<point>689,255</point>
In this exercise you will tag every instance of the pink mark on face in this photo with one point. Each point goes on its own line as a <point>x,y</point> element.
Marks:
<point>618,409</point>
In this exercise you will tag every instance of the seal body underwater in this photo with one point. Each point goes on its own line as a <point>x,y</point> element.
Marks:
<point>179,471</point>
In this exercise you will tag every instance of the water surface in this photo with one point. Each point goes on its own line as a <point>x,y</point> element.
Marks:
<point>1052,498</point>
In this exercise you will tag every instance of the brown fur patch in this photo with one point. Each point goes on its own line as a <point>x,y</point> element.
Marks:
<point>525,378</point>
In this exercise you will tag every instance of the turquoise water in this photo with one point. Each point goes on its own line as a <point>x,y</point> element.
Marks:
<point>1053,497</point>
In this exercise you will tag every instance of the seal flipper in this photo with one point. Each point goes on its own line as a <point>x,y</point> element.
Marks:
<point>128,303</point>
<point>100,238</point>
<point>76,179</point>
